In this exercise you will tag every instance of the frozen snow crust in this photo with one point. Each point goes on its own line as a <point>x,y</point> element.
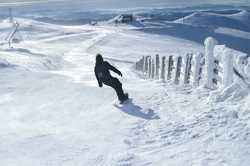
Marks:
<point>53,113</point>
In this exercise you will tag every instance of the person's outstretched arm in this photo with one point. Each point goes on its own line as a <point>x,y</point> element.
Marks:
<point>98,79</point>
<point>114,69</point>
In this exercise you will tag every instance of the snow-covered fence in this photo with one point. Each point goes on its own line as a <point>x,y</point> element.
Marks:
<point>219,64</point>
<point>170,68</point>
<point>215,69</point>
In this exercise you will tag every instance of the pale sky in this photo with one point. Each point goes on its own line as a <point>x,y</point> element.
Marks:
<point>133,3</point>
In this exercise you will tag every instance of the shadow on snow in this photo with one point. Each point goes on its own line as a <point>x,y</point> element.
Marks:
<point>132,109</point>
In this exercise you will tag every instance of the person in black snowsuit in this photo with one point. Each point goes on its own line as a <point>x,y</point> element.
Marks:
<point>103,76</point>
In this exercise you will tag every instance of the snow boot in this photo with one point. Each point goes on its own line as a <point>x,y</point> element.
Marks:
<point>124,98</point>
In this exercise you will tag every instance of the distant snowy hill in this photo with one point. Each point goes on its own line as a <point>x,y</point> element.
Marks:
<point>197,25</point>
<point>240,20</point>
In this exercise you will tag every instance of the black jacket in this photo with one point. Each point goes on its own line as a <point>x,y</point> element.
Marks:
<point>102,72</point>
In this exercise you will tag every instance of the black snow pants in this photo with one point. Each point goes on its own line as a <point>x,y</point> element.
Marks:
<point>115,84</point>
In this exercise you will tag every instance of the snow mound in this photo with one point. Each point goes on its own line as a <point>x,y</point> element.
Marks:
<point>27,60</point>
<point>4,63</point>
<point>235,92</point>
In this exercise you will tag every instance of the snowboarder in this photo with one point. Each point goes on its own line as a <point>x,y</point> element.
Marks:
<point>103,76</point>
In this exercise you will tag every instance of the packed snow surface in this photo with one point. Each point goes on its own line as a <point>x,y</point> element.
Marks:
<point>54,114</point>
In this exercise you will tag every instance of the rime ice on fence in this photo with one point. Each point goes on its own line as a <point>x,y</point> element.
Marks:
<point>157,66</point>
<point>197,69</point>
<point>242,63</point>
<point>149,67</point>
<point>227,61</point>
<point>178,70</point>
<point>224,65</point>
<point>187,70</point>
<point>170,67</point>
<point>163,68</point>
<point>152,68</point>
<point>220,66</point>
<point>209,60</point>
<point>146,64</point>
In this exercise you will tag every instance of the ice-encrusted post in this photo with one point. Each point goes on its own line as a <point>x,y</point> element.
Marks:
<point>210,43</point>
<point>149,67</point>
<point>139,65</point>
<point>187,70</point>
<point>142,63</point>
<point>146,65</point>
<point>153,68</point>
<point>170,67</point>
<point>157,66</point>
<point>163,68</point>
<point>197,69</point>
<point>178,70</point>
<point>136,65</point>
<point>227,62</point>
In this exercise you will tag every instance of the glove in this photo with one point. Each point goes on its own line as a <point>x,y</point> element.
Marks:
<point>120,74</point>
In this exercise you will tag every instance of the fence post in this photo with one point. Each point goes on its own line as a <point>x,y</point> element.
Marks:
<point>197,69</point>
<point>187,68</point>
<point>170,66</point>
<point>209,60</point>
<point>227,62</point>
<point>216,72</point>
<point>157,66</point>
<point>146,65</point>
<point>153,69</point>
<point>178,70</point>
<point>149,67</point>
<point>143,64</point>
<point>138,65</point>
<point>163,68</point>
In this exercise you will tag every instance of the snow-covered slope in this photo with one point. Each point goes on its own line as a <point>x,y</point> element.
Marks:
<point>53,113</point>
